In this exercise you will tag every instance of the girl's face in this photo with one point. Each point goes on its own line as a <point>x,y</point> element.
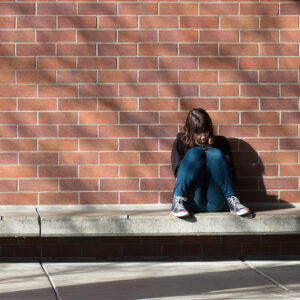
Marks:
<point>201,138</point>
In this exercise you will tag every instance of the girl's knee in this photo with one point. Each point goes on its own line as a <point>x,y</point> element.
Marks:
<point>214,154</point>
<point>195,153</point>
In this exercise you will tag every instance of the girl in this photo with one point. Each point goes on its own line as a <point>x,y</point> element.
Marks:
<point>203,169</point>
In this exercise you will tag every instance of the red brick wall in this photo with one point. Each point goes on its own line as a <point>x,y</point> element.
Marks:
<point>93,94</point>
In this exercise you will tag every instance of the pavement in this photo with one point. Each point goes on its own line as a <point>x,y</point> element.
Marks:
<point>191,280</point>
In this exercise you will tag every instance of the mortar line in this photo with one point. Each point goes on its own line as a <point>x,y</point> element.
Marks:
<point>50,280</point>
<point>266,276</point>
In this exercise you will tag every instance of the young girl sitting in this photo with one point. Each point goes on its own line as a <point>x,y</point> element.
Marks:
<point>203,168</point>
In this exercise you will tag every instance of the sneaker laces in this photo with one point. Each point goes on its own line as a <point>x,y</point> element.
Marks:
<point>178,202</point>
<point>235,204</point>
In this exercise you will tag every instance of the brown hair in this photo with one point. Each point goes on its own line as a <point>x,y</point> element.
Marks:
<point>197,121</point>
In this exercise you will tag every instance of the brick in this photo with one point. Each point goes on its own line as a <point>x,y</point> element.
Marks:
<point>141,250</point>
<point>199,22</point>
<point>218,8</point>
<point>119,158</point>
<point>77,131</point>
<point>138,90</point>
<point>259,9</point>
<point>119,184</point>
<point>157,49</point>
<point>258,144</point>
<point>77,104</point>
<point>35,49</point>
<point>290,90</point>
<point>178,9</point>
<point>36,77</point>
<point>118,22</point>
<point>280,183</point>
<point>36,22</point>
<point>172,117</point>
<point>289,143</point>
<point>178,63</point>
<point>7,77</point>
<point>205,103</point>
<point>290,196</point>
<point>133,36</point>
<point>246,184</point>
<point>18,90</point>
<point>118,131</point>
<point>138,117</point>
<point>218,63</point>
<point>9,158</point>
<point>278,76</point>
<point>99,198</point>
<point>37,131</point>
<point>166,144</point>
<point>56,63</point>
<point>179,90</point>
<point>243,22</point>
<point>138,9</point>
<point>261,249</point>
<point>138,198</point>
<point>279,50</point>
<point>98,171</point>
<point>238,130</point>
<point>17,171</point>
<point>7,49</point>
<point>268,90</point>
<point>259,117</point>
<point>77,22</point>
<point>116,50</point>
<point>224,117</point>
<point>278,22</point>
<point>239,49</point>
<point>117,76</point>
<point>8,185</point>
<point>197,49</point>
<point>158,130</point>
<point>165,197</point>
<point>158,104</point>
<point>98,118</point>
<point>279,103</point>
<point>257,170</point>
<point>290,170</point>
<point>138,144</point>
<point>158,76</point>
<point>260,36</point>
<point>7,22</point>
<point>139,171</point>
<point>16,63</point>
<point>18,117</point>
<point>259,196</point>
<point>166,171</point>
<point>58,198</point>
<point>98,90</point>
<point>157,184</point>
<point>17,145</point>
<point>198,76</point>
<point>178,36</point>
<point>219,35</point>
<point>257,63</point>
<point>98,144</point>
<point>78,184</point>
<point>218,90</point>
<point>155,157</point>
<point>238,76</point>
<point>56,9</point>
<point>76,50</point>
<point>16,8</point>
<point>278,130</point>
<point>80,158</point>
<point>159,22</point>
<point>289,9</point>
<point>56,36</point>
<point>289,63</point>
<point>36,104</point>
<point>7,104</point>
<point>107,104</point>
<point>18,198</point>
<point>290,117</point>
<point>57,145</point>
<point>96,36</point>
<point>249,156</point>
<point>97,9</point>
<point>57,118</point>
<point>278,157</point>
<point>77,76</point>
<point>38,158</point>
<point>138,63</point>
<point>38,185</point>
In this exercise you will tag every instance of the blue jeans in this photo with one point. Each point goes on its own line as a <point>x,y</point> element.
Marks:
<point>205,179</point>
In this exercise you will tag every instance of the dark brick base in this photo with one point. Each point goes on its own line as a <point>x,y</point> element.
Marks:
<point>160,247</point>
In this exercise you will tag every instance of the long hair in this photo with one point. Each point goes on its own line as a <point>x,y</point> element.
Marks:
<point>197,121</point>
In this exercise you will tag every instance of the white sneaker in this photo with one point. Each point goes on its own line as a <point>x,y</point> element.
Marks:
<point>178,210</point>
<point>236,207</point>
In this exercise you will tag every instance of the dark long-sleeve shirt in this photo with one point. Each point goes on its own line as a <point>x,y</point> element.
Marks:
<point>179,150</point>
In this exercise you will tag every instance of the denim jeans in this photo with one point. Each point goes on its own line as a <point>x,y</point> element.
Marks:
<point>205,179</point>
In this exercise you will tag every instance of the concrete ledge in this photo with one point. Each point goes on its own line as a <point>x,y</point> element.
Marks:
<point>147,220</point>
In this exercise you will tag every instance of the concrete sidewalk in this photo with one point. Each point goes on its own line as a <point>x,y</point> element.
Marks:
<point>213,280</point>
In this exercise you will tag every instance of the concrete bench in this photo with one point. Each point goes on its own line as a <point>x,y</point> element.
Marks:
<point>141,220</point>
